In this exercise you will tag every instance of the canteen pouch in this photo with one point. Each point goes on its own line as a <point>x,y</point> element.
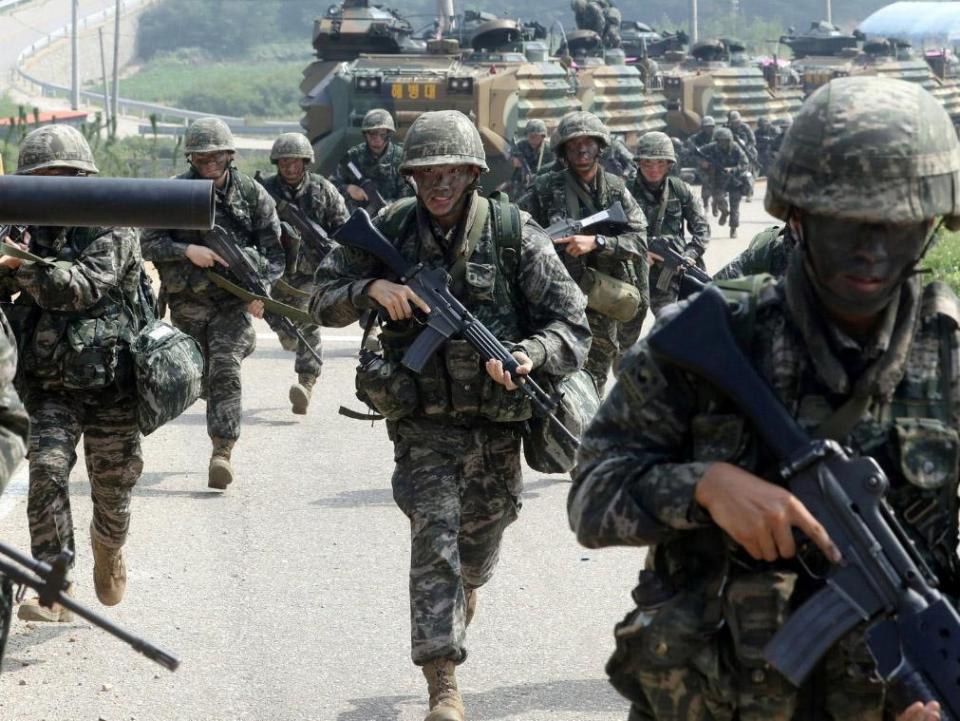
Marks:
<point>387,387</point>
<point>545,447</point>
<point>90,360</point>
<point>608,296</point>
<point>168,368</point>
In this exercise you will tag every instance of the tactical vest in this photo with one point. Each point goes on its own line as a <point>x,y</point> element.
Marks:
<point>454,384</point>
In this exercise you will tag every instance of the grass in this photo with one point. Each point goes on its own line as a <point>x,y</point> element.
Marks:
<point>944,259</point>
<point>264,85</point>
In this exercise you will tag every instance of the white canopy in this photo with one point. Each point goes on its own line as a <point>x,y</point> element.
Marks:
<point>919,22</point>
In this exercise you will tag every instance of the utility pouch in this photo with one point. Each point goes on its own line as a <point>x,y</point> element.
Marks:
<point>387,387</point>
<point>467,376</point>
<point>90,360</point>
<point>608,296</point>
<point>545,447</point>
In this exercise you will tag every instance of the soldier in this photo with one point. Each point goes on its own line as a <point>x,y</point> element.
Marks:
<point>696,143</point>
<point>318,200</point>
<point>768,253</point>
<point>618,160</point>
<point>589,15</point>
<point>456,426</point>
<point>579,189</point>
<point>744,137</point>
<point>667,203</point>
<point>728,165</point>
<point>532,154</point>
<point>766,136</point>
<point>858,351</point>
<point>218,320</point>
<point>378,160</point>
<point>74,323</point>
<point>14,419</point>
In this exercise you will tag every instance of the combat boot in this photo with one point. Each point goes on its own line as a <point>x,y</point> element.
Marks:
<point>471,604</point>
<point>445,701</point>
<point>300,393</point>
<point>220,473</point>
<point>723,217</point>
<point>109,571</point>
<point>31,610</point>
<point>733,231</point>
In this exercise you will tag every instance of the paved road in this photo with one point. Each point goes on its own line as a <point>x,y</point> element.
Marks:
<point>286,596</point>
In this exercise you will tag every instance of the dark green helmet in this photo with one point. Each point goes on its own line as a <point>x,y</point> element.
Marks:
<point>536,126</point>
<point>442,137</point>
<point>708,122</point>
<point>378,119</point>
<point>580,124</point>
<point>872,150</point>
<point>208,135</point>
<point>656,146</point>
<point>291,145</point>
<point>723,135</point>
<point>55,146</point>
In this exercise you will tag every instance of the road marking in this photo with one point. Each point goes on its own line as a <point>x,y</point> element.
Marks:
<point>326,338</point>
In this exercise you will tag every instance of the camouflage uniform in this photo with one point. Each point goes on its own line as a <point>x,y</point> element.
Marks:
<point>457,435</point>
<point>768,253</point>
<point>767,142</point>
<point>560,194</point>
<point>217,319</point>
<point>700,140</point>
<point>319,201</point>
<point>727,167</point>
<point>14,420</point>
<point>693,648</point>
<point>618,160</point>
<point>383,170</point>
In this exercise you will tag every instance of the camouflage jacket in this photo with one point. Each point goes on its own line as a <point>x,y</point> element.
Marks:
<point>14,420</point>
<point>89,300</point>
<point>618,159</point>
<point>733,159</point>
<point>700,138</point>
<point>744,134</point>
<point>682,206</point>
<point>766,138</point>
<point>768,253</point>
<point>625,253</point>
<point>533,306</point>
<point>247,212</point>
<point>383,171</point>
<point>534,162</point>
<point>319,201</point>
<point>660,428</point>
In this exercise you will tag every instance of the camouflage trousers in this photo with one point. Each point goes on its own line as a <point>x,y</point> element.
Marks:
<point>460,487</point>
<point>706,193</point>
<point>603,348</point>
<point>305,364</point>
<point>111,446</point>
<point>729,202</point>
<point>226,336</point>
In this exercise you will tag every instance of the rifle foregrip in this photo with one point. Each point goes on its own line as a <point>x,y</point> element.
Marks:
<point>906,690</point>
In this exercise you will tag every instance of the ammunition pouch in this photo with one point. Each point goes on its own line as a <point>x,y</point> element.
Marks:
<point>545,448</point>
<point>387,387</point>
<point>92,352</point>
<point>609,296</point>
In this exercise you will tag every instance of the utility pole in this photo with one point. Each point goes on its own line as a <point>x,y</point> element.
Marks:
<point>829,12</point>
<point>106,90</point>
<point>75,57</point>
<point>115,112</point>
<point>694,23</point>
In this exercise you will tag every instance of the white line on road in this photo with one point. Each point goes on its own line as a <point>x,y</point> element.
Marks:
<point>326,338</point>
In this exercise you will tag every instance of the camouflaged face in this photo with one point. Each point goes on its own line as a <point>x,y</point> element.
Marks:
<point>578,125</point>
<point>443,137</point>
<point>869,149</point>
<point>656,146</point>
<point>292,145</point>
<point>378,119</point>
<point>208,135</point>
<point>55,146</point>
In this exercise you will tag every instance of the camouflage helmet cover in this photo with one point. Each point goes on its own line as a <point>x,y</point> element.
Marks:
<point>869,149</point>
<point>291,145</point>
<point>208,135</point>
<point>442,137</point>
<point>536,126</point>
<point>656,146</point>
<point>579,124</point>
<point>723,135</point>
<point>55,146</point>
<point>708,122</point>
<point>378,119</point>
<point>733,115</point>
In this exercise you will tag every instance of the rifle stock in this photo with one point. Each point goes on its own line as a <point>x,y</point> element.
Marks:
<point>375,201</point>
<point>562,228</point>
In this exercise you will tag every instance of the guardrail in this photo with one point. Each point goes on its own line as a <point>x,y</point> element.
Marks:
<point>6,4</point>
<point>128,106</point>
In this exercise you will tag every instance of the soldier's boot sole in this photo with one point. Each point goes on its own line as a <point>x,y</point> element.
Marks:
<point>299,399</point>
<point>31,610</point>
<point>444,713</point>
<point>109,572</point>
<point>220,474</point>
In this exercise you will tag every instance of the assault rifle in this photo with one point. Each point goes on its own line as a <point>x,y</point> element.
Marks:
<point>375,201</point>
<point>567,226</point>
<point>310,231</point>
<point>692,279</point>
<point>447,318</point>
<point>251,287</point>
<point>913,631</point>
<point>50,582</point>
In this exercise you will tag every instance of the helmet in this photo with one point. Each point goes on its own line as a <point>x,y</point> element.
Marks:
<point>55,146</point>
<point>733,115</point>
<point>723,135</point>
<point>536,126</point>
<point>656,146</point>
<point>762,121</point>
<point>869,149</point>
<point>708,122</point>
<point>291,145</point>
<point>378,119</point>
<point>208,135</point>
<point>580,124</point>
<point>442,137</point>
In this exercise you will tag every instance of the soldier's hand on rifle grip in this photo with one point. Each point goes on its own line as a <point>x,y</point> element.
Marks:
<point>577,245</point>
<point>356,192</point>
<point>653,258</point>
<point>920,712</point>
<point>203,257</point>
<point>255,308</point>
<point>396,298</point>
<point>758,515</point>
<point>495,370</point>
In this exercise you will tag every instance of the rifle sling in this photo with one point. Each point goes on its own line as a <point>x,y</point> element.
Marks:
<point>662,211</point>
<point>842,421</point>
<point>269,304</point>
<point>458,270</point>
<point>574,191</point>
<point>15,252</point>
<point>284,287</point>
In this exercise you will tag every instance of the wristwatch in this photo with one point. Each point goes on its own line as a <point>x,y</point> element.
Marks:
<point>601,241</point>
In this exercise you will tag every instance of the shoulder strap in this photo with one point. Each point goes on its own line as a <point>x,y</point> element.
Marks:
<point>743,295</point>
<point>395,217</point>
<point>508,233</point>
<point>248,189</point>
<point>459,268</point>
<point>662,211</point>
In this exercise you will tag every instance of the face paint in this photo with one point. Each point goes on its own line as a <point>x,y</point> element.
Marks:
<point>582,153</point>
<point>856,268</point>
<point>291,170</point>
<point>442,189</point>
<point>210,166</point>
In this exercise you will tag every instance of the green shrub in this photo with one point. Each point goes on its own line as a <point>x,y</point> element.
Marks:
<point>943,260</point>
